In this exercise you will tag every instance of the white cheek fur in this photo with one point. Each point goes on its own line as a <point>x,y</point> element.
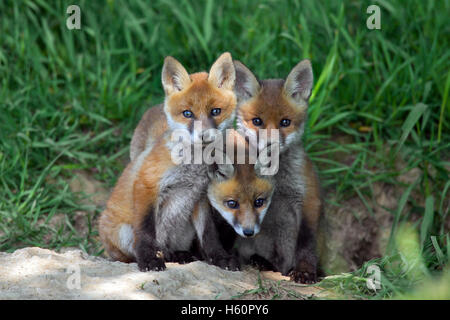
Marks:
<point>262,214</point>
<point>228,216</point>
<point>174,125</point>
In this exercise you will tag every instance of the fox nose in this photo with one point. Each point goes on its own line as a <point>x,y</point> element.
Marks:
<point>248,232</point>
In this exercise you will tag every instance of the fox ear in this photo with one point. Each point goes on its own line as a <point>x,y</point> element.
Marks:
<point>299,82</point>
<point>222,74</point>
<point>174,76</point>
<point>221,172</point>
<point>223,168</point>
<point>247,85</point>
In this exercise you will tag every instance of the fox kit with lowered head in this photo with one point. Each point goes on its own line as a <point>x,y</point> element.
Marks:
<point>240,192</point>
<point>158,208</point>
<point>288,235</point>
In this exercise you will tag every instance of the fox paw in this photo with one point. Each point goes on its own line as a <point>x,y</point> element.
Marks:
<point>303,277</point>
<point>260,263</point>
<point>181,257</point>
<point>226,262</point>
<point>155,264</point>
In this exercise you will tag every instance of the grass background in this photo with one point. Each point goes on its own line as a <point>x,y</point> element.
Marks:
<point>69,100</point>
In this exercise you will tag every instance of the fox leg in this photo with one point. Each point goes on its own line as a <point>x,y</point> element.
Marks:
<point>109,228</point>
<point>305,270</point>
<point>148,255</point>
<point>306,266</point>
<point>114,252</point>
<point>180,257</point>
<point>210,246</point>
<point>260,263</point>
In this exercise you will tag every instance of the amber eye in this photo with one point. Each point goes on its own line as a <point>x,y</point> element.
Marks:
<point>285,122</point>
<point>188,114</point>
<point>257,121</point>
<point>232,204</point>
<point>215,112</point>
<point>259,202</point>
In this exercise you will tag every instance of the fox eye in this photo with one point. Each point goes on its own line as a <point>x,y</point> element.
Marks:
<point>285,122</point>
<point>257,121</point>
<point>259,202</point>
<point>188,114</point>
<point>232,204</point>
<point>215,112</point>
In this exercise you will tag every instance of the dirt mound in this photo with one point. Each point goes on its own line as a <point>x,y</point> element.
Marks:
<point>35,273</point>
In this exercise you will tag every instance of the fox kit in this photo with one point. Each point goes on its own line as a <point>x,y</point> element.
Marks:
<point>158,208</point>
<point>239,193</point>
<point>288,235</point>
<point>239,190</point>
<point>211,110</point>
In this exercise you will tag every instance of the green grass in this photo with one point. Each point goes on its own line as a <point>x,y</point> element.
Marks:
<point>408,273</point>
<point>70,100</point>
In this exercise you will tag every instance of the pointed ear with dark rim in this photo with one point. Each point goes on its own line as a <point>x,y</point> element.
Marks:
<point>222,74</point>
<point>221,172</point>
<point>247,86</point>
<point>223,168</point>
<point>299,82</point>
<point>174,76</point>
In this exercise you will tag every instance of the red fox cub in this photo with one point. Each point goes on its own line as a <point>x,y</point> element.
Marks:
<point>240,192</point>
<point>288,235</point>
<point>213,112</point>
<point>158,208</point>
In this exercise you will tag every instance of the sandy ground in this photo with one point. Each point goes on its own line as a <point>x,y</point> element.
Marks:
<point>35,273</point>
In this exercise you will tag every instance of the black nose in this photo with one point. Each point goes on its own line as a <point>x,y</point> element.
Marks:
<point>248,232</point>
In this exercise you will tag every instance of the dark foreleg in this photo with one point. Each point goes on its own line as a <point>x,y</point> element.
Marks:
<point>209,239</point>
<point>305,270</point>
<point>148,255</point>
